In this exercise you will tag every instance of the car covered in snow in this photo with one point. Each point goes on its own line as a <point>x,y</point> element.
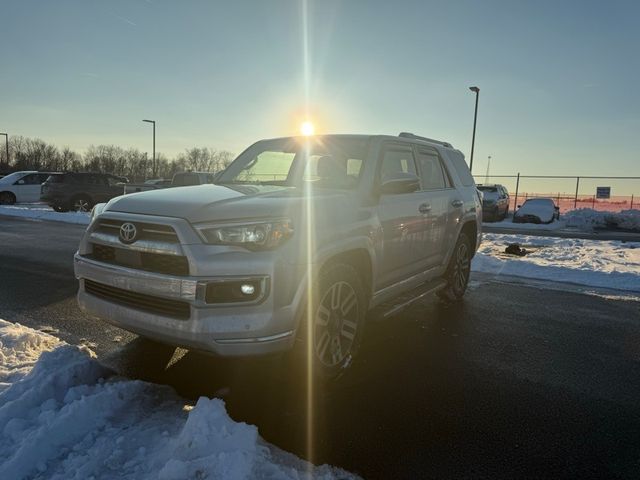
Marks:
<point>299,240</point>
<point>495,202</point>
<point>537,210</point>
<point>21,187</point>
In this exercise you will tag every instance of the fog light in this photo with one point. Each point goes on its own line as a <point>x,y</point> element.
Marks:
<point>232,291</point>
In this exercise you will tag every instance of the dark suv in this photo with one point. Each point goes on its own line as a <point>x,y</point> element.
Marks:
<point>80,191</point>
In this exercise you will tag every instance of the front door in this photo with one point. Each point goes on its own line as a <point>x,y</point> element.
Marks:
<point>27,189</point>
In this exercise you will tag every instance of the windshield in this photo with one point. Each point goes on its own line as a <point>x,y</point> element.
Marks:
<point>328,162</point>
<point>13,177</point>
<point>488,189</point>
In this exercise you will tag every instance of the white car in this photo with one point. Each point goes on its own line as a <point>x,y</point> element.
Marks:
<point>21,187</point>
<point>537,210</point>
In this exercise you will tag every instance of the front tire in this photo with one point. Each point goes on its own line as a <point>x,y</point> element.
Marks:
<point>7,198</point>
<point>458,271</point>
<point>60,208</point>
<point>333,333</point>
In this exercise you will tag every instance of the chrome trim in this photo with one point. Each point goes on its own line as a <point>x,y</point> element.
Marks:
<point>191,289</point>
<point>270,338</point>
<point>148,246</point>
<point>417,278</point>
<point>401,306</point>
<point>141,281</point>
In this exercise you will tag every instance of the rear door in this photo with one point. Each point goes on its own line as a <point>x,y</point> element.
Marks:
<point>403,224</point>
<point>439,194</point>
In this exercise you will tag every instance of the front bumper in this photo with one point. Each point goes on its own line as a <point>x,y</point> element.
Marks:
<point>228,330</point>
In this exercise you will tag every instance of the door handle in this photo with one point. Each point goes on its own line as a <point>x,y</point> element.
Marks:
<point>457,203</point>
<point>424,208</point>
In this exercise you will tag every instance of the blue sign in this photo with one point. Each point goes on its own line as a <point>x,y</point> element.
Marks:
<point>603,192</point>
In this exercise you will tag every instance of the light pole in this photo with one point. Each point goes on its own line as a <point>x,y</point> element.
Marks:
<point>6,144</point>
<point>475,118</point>
<point>153,161</point>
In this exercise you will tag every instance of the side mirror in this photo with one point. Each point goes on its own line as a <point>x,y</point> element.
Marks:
<point>557,208</point>
<point>519,206</point>
<point>399,182</point>
<point>20,182</point>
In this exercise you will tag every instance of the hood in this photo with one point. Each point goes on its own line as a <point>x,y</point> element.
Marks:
<point>211,203</point>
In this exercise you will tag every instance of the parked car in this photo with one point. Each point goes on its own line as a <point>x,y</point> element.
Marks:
<point>180,179</point>
<point>495,202</point>
<point>222,268</point>
<point>21,187</point>
<point>537,210</point>
<point>80,191</point>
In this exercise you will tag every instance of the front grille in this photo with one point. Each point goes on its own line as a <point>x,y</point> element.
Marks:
<point>150,262</point>
<point>146,231</point>
<point>139,301</point>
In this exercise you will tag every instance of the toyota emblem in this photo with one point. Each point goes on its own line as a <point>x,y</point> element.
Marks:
<point>128,233</point>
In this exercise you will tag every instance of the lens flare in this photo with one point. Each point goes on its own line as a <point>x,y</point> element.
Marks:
<point>307,128</point>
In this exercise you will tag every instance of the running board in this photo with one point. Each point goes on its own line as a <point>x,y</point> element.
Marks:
<point>397,304</point>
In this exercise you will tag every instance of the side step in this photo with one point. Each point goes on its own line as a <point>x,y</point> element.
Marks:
<point>397,304</point>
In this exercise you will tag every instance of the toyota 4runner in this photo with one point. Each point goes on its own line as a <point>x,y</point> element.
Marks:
<point>300,241</point>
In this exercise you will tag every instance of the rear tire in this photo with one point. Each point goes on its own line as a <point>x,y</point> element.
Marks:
<point>458,271</point>
<point>81,203</point>
<point>337,323</point>
<point>7,198</point>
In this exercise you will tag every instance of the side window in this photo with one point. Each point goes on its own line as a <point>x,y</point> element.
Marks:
<point>431,173</point>
<point>461,168</point>
<point>31,179</point>
<point>397,160</point>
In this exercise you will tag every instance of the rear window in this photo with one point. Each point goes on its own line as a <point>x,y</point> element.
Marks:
<point>461,167</point>
<point>185,179</point>
<point>56,179</point>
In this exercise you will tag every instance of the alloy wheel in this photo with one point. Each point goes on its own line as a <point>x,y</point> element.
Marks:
<point>81,205</point>
<point>461,267</point>
<point>336,324</point>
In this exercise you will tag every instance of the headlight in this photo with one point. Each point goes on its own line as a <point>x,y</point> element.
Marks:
<point>258,235</point>
<point>97,209</point>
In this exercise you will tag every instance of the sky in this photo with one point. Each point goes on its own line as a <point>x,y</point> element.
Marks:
<point>557,79</point>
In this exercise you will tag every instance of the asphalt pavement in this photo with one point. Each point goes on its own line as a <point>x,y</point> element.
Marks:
<point>517,382</point>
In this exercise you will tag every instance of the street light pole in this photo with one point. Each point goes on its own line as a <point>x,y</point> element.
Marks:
<point>475,118</point>
<point>153,162</point>
<point>6,144</point>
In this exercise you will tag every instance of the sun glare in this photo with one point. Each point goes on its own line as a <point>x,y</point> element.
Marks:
<point>307,128</point>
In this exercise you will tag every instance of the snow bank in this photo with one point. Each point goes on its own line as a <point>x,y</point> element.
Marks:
<point>43,212</point>
<point>595,263</point>
<point>507,223</point>
<point>69,417</point>
<point>586,218</point>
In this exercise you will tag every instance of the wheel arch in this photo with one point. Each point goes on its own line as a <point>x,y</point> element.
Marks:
<point>360,260</point>
<point>9,192</point>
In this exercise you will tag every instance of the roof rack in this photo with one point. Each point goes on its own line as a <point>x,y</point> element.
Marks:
<point>418,137</point>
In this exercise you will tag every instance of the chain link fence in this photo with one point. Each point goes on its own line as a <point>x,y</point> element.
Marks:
<point>611,194</point>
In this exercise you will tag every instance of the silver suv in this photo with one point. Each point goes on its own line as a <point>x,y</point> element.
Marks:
<point>299,242</point>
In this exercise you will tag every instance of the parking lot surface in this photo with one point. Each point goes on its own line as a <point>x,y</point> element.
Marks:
<point>517,382</point>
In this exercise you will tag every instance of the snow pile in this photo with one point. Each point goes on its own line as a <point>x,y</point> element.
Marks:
<point>586,218</point>
<point>41,211</point>
<point>69,417</point>
<point>595,263</point>
<point>19,350</point>
<point>507,223</point>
